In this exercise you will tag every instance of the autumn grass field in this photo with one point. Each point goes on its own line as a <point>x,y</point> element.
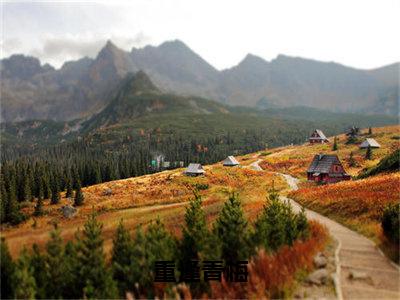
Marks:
<point>142,199</point>
<point>139,200</point>
<point>294,160</point>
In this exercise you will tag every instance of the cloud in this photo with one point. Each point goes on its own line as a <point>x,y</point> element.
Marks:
<point>56,50</point>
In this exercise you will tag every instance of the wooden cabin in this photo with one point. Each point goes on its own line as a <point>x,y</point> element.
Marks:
<point>194,170</point>
<point>326,169</point>
<point>318,137</point>
<point>230,161</point>
<point>369,143</point>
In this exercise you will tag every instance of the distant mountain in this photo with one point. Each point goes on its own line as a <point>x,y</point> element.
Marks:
<point>81,88</point>
<point>137,97</point>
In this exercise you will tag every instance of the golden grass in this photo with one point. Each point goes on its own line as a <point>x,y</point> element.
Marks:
<point>141,199</point>
<point>358,204</point>
<point>295,160</point>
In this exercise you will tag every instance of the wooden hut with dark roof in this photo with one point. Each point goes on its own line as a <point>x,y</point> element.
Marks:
<point>326,169</point>
<point>318,137</point>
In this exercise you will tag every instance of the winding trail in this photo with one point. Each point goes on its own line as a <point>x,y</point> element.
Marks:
<point>356,253</point>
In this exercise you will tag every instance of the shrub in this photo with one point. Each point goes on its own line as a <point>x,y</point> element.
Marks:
<point>390,222</point>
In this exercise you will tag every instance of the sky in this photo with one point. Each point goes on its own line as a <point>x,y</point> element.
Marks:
<point>359,33</point>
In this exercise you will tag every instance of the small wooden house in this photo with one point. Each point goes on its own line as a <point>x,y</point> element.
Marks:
<point>230,161</point>
<point>318,137</point>
<point>369,143</point>
<point>326,169</point>
<point>194,170</point>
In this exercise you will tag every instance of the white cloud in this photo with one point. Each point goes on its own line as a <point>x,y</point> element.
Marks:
<point>359,33</point>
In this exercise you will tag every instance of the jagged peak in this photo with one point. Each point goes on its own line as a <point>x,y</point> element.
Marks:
<point>251,59</point>
<point>138,82</point>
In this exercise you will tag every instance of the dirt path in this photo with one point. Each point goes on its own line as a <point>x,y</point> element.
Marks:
<point>379,277</point>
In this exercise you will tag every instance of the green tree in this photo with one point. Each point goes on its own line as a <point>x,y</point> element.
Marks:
<point>55,191</point>
<point>352,161</point>
<point>232,230</point>
<point>95,277</point>
<point>69,190</point>
<point>55,266</point>
<point>72,287</point>
<point>368,154</point>
<point>7,268</point>
<point>335,144</point>
<point>122,255</point>
<point>79,198</point>
<point>38,264</point>
<point>269,228</point>
<point>25,287</point>
<point>369,130</point>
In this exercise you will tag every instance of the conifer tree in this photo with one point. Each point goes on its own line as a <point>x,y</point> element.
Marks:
<point>55,266</point>
<point>55,191</point>
<point>25,287</point>
<point>122,255</point>
<point>69,191</point>
<point>270,231</point>
<point>38,264</point>
<point>72,287</point>
<point>3,200</point>
<point>368,154</point>
<point>96,278</point>
<point>335,144</point>
<point>160,245</point>
<point>79,198</point>
<point>7,269</point>
<point>352,161</point>
<point>195,233</point>
<point>231,229</point>
<point>369,130</point>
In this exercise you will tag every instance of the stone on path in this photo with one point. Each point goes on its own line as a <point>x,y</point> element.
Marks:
<point>318,277</point>
<point>320,261</point>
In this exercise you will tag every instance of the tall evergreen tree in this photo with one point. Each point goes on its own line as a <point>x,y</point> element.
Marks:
<point>38,264</point>
<point>68,187</point>
<point>335,144</point>
<point>25,287</point>
<point>96,278</point>
<point>55,266</point>
<point>369,130</point>
<point>79,198</point>
<point>232,231</point>
<point>72,287</point>
<point>122,255</point>
<point>7,269</point>
<point>352,161</point>
<point>55,191</point>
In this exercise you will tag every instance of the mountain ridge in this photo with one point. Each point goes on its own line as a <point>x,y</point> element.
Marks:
<point>80,88</point>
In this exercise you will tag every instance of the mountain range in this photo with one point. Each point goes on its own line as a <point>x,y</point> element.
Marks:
<point>82,88</point>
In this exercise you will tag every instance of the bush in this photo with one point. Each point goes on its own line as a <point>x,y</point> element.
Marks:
<point>390,222</point>
<point>201,186</point>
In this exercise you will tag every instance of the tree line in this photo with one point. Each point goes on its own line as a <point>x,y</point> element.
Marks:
<point>42,173</point>
<point>79,269</point>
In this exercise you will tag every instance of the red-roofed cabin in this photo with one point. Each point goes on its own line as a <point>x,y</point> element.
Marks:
<point>326,169</point>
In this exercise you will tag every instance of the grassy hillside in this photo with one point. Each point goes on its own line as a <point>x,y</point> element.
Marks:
<point>295,160</point>
<point>141,199</point>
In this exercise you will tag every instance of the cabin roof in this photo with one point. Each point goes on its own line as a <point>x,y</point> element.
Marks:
<point>322,163</point>
<point>320,134</point>
<point>230,161</point>
<point>194,168</point>
<point>369,142</point>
